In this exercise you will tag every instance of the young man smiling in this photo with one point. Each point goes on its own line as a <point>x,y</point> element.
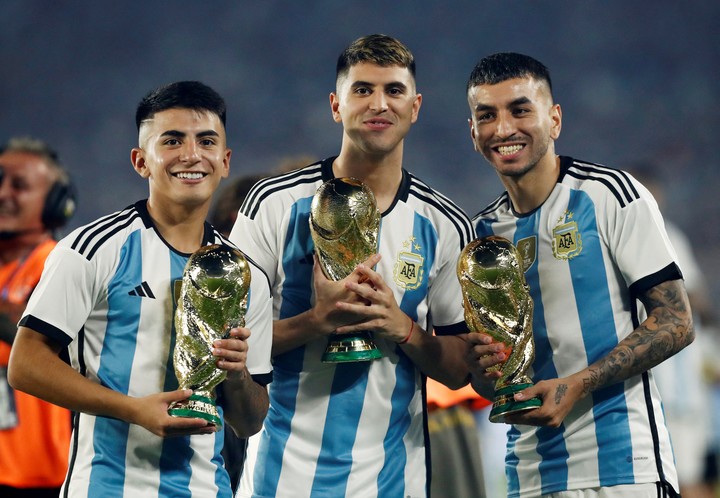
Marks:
<point>595,251</point>
<point>107,293</point>
<point>356,429</point>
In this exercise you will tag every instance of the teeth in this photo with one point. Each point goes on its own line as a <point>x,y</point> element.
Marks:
<point>189,176</point>
<point>506,150</point>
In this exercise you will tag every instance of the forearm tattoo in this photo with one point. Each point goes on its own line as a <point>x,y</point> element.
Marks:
<point>667,330</point>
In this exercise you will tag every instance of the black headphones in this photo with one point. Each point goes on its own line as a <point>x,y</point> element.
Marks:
<point>60,204</point>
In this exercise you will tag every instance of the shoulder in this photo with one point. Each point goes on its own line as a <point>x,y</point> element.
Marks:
<point>439,207</point>
<point>600,181</point>
<point>104,232</point>
<point>282,189</point>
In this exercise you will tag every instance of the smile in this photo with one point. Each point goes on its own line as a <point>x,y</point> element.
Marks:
<point>189,175</point>
<point>506,150</point>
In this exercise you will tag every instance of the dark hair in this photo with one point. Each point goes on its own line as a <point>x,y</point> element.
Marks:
<point>497,68</point>
<point>381,50</point>
<point>180,95</point>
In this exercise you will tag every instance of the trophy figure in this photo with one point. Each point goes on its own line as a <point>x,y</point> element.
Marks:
<point>212,300</point>
<point>344,223</point>
<point>497,302</point>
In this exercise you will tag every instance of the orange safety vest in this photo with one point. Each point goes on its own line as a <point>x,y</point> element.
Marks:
<point>34,453</point>
<point>441,396</point>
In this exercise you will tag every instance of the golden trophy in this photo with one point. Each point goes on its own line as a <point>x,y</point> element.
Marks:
<point>497,302</point>
<point>212,300</point>
<point>344,224</point>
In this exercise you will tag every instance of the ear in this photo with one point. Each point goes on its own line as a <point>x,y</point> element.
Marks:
<point>137,158</point>
<point>556,118</point>
<point>472,135</point>
<point>416,107</point>
<point>335,107</point>
<point>226,163</point>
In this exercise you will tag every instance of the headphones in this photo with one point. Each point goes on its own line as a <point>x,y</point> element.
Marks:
<point>60,204</point>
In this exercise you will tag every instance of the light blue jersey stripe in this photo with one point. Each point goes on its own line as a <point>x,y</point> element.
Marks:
<point>286,367</point>
<point>596,320</point>
<point>175,451</point>
<point>342,420</point>
<point>426,237</point>
<point>111,435</point>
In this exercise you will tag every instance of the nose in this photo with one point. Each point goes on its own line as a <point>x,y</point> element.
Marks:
<point>378,102</point>
<point>505,125</point>
<point>190,152</point>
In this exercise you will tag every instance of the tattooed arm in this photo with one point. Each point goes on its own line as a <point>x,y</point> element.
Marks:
<point>667,330</point>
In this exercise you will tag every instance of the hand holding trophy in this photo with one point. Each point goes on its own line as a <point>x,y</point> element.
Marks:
<point>344,223</point>
<point>497,302</point>
<point>212,300</point>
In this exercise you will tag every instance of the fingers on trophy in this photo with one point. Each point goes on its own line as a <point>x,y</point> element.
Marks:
<point>212,300</point>
<point>344,224</point>
<point>497,302</point>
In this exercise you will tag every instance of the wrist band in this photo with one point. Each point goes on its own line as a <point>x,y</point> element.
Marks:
<point>412,327</point>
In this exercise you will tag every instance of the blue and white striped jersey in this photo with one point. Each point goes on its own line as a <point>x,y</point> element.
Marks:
<point>107,292</point>
<point>352,429</point>
<point>588,251</point>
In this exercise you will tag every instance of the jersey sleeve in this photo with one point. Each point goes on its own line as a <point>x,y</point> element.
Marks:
<point>259,320</point>
<point>445,294</point>
<point>255,237</point>
<point>64,297</point>
<point>642,248</point>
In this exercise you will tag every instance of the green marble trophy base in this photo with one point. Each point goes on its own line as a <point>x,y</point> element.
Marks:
<point>197,406</point>
<point>344,348</point>
<point>504,404</point>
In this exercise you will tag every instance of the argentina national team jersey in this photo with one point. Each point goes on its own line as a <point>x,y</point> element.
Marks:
<point>588,251</point>
<point>107,293</point>
<point>352,429</point>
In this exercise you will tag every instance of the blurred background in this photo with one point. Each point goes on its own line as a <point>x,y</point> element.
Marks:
<point>637,81</point>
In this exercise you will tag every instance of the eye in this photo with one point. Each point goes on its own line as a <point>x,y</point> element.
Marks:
<point>520,111</point>
<point>484,117</point>
<point>207,142</point>
<point>171,141</point>
<point>361,90</point>
<point>396,91</point>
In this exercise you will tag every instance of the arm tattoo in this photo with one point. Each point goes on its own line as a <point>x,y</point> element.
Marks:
<point>667,330</point>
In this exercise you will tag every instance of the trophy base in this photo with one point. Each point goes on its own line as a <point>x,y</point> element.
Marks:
<point>504,404</point>
<point>196,407</point>
<point>348,348</point>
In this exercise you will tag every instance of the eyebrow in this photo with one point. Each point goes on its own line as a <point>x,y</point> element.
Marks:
<point>386,85</point>
<point>518,101</point>
<point>181,134</point>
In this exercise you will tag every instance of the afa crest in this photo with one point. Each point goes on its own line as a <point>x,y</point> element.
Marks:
<point>566,242</point>
<point>408,271</point>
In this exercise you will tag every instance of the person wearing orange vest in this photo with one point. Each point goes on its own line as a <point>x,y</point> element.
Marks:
<point>36,198</point>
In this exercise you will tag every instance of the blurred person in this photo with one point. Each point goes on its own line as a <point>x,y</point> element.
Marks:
<point>593,244</point>
<point>36,199</point>
<point>357,428</point>
<point>681,379</point>
<point>107,293</point>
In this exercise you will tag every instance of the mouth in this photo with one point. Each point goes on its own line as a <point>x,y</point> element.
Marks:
<point>190,175</point>
<point>508,150</point>
<point>378,124</point>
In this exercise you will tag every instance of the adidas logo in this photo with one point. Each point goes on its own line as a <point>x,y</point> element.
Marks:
<point>142,290</point>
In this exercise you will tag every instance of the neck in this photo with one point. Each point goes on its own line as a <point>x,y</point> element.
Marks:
<point>182,227</point>
<point>529,191</point>
<point>382,174</point>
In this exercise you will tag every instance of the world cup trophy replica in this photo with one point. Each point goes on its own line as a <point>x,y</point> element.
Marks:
<point>212,300</point>
<point>497,302</point>
<point>344,224</point>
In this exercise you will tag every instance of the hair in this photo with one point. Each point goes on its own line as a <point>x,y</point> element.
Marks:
<point>500,67</point>
<point>381,50</point>
<point>38,148</point>
<point>181,95</point>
